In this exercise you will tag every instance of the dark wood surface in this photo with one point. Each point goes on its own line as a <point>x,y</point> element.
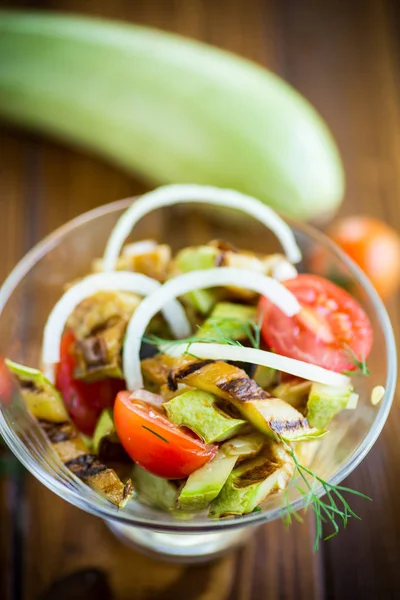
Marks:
<point>344,57</point>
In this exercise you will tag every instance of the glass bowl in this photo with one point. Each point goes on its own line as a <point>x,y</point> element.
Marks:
<point>35,284</point>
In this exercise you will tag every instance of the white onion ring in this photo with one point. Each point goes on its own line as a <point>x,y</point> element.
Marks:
<point>118,281</point>
<point>175,194</point>
<point>189,282</point>
<point>259,357</point>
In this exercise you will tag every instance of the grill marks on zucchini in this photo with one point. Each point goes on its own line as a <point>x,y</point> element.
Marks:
<point>65,438</point>
<point>282,428</point>
<point>218,377</point>
<point>57,432</point>
<point>71,449</point>
<point>99,324</point>
<point>244,389</point>
<point>272,416</point>
<point>156,370</point>
<point>86,466</point>
<point>184,372</point>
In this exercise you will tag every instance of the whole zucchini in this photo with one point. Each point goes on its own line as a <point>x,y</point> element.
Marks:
<point>168,108</point>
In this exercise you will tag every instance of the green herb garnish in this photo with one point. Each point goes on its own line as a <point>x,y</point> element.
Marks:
<point>156,434</point>
<point>251,330</point>
<point>361,365</point>
<point>336,508</point>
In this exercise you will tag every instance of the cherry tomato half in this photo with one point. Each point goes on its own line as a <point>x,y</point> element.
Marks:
<point>330,328</point>
<point>156,444</point>
<point>84,401</point>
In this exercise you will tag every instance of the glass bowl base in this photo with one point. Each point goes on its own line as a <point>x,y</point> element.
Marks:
<point>179,548</point>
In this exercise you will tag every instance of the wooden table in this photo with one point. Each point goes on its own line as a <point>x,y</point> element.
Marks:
<point>345,59</point>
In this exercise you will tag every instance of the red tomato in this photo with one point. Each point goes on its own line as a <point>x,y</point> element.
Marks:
<point>84,401</point>
<point>6,384</point>
<point>156,444</point>
<point>330,327</point>
<point>374,246</point>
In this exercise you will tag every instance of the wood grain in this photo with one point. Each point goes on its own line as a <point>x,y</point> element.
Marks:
<point>345,59</point>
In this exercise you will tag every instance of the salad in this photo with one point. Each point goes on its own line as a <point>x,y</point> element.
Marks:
<point>199,380</point>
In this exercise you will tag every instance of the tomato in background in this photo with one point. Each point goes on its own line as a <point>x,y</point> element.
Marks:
<point>329,329</point>
<point>374,246</point>
<point>156,444</point>
<point>84,401</point>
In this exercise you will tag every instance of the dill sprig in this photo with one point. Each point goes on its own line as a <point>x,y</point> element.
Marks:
<point>250,329</point>
<point>335,510</point>
<point>360,364</point>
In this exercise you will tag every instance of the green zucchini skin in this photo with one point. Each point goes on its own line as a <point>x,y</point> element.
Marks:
<point>167,108</point>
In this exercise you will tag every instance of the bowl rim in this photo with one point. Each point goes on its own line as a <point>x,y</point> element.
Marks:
<point>110,512</point>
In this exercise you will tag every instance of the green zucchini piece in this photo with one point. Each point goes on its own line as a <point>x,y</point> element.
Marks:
<point>277,419</point>
<point>252,481</point>
<point>294,393</point>
<point>270,415</point>
<point>265,377</point>
<point>43,400</point>
<point>324,402</point>
<point>206,483</point>
<point>45,404</point>
<point>155,491</point>
<point>105,441</point>
<point>104,428</point>
<point>198,411</point>
<point>194,259</point>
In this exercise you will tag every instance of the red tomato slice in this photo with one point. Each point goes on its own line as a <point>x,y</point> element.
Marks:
<point>156,444</point>
<point>330,327</point>
<point>84,401</point>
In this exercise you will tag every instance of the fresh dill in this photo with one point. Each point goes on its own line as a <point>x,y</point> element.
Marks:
<point>335,510</point>
<point>361,365</point>
<point>248,329</point>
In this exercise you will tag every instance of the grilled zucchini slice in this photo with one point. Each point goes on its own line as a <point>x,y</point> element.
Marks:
<point>45,403</point>
<point>270,415</point>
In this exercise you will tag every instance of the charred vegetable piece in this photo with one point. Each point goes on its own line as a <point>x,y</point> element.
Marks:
<point>276,418</point>
<point>99,325</point>
<point>66,440</point>
<point>155,491</point>
<point>270,415</point>
<point>228,320</point>
<point>252,481</point>
<point>206,483</point>
<point>105,442</point>
<point>153,262</point>
<point>325,402</point>
<point>156,370</point>
<point>168,394</point>
<point>199,411</point>
<point>43,400</point>
<point>295,392</point>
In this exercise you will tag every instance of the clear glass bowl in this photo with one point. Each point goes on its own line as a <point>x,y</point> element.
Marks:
<point>35,284</point>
